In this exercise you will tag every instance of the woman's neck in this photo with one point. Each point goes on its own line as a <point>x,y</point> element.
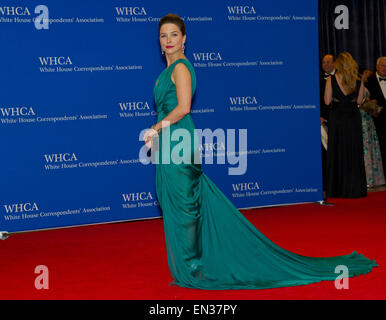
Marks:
<point>171,59</point>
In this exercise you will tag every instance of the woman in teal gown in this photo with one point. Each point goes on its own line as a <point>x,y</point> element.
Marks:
<point>210,244</point>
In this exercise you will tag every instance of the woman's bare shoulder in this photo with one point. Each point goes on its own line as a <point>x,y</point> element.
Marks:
<point>180,71</point>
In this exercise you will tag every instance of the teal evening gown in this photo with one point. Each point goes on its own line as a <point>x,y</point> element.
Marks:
<point>210,244</point>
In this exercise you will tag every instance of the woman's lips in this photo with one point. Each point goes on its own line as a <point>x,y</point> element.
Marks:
<point>169,47</point>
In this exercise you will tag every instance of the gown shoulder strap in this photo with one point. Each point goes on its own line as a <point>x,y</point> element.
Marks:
<point>336,92</point>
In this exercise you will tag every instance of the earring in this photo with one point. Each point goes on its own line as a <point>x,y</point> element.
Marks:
<point>162,52</point>
<point>183,48</point>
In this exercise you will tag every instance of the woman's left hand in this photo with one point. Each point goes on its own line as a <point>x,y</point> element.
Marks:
<point>149,134</point>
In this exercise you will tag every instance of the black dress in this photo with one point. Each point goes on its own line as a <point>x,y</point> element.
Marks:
<point>346,175</point>
<point>324,113</point>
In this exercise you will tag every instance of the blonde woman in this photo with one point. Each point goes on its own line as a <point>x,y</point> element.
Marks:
<point>346,175</point>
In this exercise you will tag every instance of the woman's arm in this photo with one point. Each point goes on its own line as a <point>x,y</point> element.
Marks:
<point>183,81</point>
<point>328,92</point>
<point>361,93</point>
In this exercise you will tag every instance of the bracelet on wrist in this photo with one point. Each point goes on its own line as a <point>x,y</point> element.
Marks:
<point>158,131</point>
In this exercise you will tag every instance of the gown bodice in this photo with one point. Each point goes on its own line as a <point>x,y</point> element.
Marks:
<point>165,95</point>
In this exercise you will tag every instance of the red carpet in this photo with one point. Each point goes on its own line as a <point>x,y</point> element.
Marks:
<point>128,260</point>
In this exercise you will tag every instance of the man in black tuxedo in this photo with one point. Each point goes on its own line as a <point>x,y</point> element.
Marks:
<point>328,68</point>
<point>376,85</point>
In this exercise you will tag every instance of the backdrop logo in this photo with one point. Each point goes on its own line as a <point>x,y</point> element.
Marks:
<point>131,11</point>
<point>138,200</point>
<point>14,11</point>
<point>243,100</point>
<point>60,157</point>
<point>245,103</point>
<point>245,186</point>
<point>134,106</point>
<point>21,207</point>
<point>55,61</point>
<point>207,56</point>
<point>132,109</point>
<point>241,10</point>
<point>42,20</point>
<point>23,15</point>
<point>138,196</point>
<point>17,111</point>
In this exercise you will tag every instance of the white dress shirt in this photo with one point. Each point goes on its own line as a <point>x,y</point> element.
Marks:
<point>326,75</point>
<point>382,84</point>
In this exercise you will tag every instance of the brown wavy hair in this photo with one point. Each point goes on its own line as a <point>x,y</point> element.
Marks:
<point>347,67</point>
<point>172,18</point>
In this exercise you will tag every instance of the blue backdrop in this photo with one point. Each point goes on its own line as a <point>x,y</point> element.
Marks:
<point>75,96</point>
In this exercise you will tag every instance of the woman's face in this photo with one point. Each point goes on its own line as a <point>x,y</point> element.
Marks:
<point>171,38</point>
